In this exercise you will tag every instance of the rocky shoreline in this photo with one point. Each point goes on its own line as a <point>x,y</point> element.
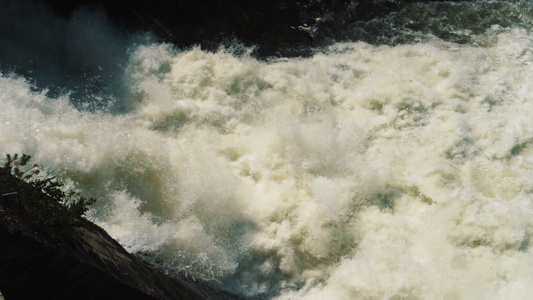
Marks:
<point>41,261</point>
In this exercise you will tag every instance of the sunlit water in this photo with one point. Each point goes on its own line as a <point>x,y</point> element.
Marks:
<point>368,171</point>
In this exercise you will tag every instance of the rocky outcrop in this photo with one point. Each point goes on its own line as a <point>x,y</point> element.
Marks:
<point>44,260</point>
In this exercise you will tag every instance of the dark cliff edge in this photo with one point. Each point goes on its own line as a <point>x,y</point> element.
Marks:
<point>45,260</point>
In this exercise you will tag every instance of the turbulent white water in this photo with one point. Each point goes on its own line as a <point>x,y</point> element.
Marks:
<point>363,172</point>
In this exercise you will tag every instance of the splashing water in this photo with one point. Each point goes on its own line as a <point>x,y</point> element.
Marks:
<point>363,172</point>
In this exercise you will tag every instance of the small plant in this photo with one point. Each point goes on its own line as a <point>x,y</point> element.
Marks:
<point>44,199</point>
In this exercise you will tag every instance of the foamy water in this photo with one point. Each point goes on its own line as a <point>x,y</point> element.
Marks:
<point>363,172</point>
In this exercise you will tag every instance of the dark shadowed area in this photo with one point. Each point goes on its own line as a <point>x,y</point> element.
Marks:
<point>49,258</point>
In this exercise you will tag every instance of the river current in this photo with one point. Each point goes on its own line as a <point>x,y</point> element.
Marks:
<point>395,163</point>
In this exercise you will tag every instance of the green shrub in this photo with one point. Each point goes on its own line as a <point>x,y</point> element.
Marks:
<point>43,199</point>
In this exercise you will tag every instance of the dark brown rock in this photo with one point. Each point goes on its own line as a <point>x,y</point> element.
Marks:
<point>79,262</point>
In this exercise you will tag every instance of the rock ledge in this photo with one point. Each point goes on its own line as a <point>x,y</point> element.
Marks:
<point>77,262</point>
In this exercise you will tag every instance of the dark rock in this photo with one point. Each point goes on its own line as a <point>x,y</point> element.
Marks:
<point>75,262</point>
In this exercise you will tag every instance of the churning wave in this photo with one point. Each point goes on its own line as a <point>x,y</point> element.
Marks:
<point>392,166</point>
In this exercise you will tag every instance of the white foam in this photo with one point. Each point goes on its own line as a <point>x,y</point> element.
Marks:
<point>362,172</point>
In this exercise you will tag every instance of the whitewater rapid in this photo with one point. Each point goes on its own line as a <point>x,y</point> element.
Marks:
<point>362,172</point>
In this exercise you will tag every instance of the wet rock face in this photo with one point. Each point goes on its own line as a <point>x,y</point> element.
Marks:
<point>31,270</point>
<point>79,262</point>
